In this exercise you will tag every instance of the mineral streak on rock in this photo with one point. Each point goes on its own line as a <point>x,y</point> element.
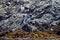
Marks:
<point>42,14</point>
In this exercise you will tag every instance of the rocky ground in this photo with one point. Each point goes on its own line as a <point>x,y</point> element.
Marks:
<point>30,16</point>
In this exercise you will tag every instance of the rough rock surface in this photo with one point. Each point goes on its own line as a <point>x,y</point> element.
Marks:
<point>18,13</point>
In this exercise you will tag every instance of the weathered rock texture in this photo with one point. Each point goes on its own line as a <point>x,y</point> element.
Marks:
<point>34,14</point>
